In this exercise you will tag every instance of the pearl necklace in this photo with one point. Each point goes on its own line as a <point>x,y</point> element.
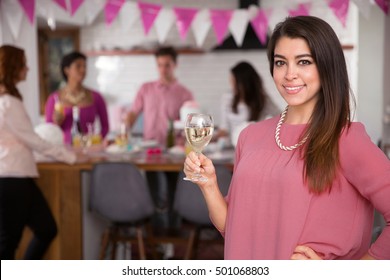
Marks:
<point>277,132</point>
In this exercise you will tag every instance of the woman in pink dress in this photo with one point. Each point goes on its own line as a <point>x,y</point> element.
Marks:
<point>305,183</point>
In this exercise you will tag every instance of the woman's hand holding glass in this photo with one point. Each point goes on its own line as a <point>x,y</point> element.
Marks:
<point>199,166</point>
<point>199,130</point>
<point>59,111</point>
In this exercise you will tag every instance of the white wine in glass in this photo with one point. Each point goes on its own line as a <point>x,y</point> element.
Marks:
<point>199,130</point>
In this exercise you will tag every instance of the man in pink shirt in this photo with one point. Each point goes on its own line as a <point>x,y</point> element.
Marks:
<point>160,101</point>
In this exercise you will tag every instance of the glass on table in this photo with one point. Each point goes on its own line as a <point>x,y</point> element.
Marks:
<point>199,131</point>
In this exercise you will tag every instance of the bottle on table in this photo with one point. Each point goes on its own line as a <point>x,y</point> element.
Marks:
<point>170,135</point>
<point>76,130</point>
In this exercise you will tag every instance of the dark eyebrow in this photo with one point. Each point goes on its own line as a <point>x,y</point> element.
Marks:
<point>298,56</point>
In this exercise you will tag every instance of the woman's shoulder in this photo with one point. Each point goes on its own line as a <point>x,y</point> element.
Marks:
<point>355,137</point>
<point>7,100</point>
<point>261,127</point>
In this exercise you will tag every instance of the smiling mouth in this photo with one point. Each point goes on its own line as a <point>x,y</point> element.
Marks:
<point>293,90</point>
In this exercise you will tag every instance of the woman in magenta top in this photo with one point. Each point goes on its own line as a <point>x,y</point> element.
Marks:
<point>305,183</point>
<point>90,103</point>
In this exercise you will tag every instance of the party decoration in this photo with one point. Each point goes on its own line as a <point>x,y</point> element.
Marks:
<point>301,10</point>
<point>62,4</point>
<point>184,17</point>
<point>340,9</point>
<point>149,12</point>
<point>75,5</point>
<point>260,25</point>
<point>29,9</point>
<point>111,10</point>
<point>220,21</point>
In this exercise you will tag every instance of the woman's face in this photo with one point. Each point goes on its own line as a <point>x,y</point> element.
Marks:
<point>23,71</point>
<point>295,73</point>
<point>77,71</point>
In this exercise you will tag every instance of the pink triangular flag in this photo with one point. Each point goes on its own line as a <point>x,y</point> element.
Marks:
<point>149,12</point>
<point>384,5</point>
<point>220,20</point>
<point>111,10</point>
<point>184,17</point>
<point>301,10</point>
<point>29,9</point>
<point>340,9</point>
<point>75,5</point>
<point>260,25</point>
<point>62,4</point>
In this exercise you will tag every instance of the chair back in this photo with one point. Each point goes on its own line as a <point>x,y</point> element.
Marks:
<point>189,201</point>
<point>120,193</point>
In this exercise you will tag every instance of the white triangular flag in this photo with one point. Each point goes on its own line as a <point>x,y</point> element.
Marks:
<point>163,23</point>
<point>238,25</point>
<point>128,15</point>
<point>201,26</point>
<point>92,8</point>
<point>13,13</point>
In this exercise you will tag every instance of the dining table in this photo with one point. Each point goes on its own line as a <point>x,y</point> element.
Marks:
<point>61,184</point>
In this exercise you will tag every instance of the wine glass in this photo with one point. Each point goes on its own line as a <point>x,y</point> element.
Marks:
<point>199,130</point>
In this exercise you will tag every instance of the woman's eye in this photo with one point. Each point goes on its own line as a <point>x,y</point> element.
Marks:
<point>279,62</point>
<point>304,62</point>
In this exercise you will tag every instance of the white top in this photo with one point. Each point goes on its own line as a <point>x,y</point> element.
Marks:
<point>230,121</point>
<point>18,141</point>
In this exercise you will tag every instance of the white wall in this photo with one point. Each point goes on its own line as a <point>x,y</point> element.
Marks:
<point>371,55</point>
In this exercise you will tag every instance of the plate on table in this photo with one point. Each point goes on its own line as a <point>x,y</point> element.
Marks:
<point>148,144</point>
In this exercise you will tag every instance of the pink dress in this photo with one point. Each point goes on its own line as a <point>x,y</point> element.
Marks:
<point>271,211</point>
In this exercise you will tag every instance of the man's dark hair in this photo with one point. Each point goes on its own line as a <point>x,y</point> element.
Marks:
<point>167,51</point>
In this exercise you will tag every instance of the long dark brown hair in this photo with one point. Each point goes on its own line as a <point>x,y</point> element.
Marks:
<point>332,110</point>
<point>249,89</point>
<point>11,63</point>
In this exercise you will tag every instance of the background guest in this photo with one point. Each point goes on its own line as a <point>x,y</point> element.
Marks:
<point>91,104</point>
<point>21,202</point>
<point>248,102</point>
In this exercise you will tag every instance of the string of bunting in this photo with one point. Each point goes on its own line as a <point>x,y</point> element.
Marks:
<point>162,18</point>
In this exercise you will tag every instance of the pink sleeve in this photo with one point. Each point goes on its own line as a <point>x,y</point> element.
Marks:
<point>138,103</point>
<point>102,112</point>
<point>49,108</point>
<point>367,168</point>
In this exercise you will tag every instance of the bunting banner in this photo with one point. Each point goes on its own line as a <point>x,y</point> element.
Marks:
<point>128,15</point>
<point>340,9</point>
<point>149,12</point>
<point>163,24</point>
<point>238,25</point>
<point>74,6</point>
<point>260,25</point>
<point>62,4</point>
<point>163,18</point>
<point>29,9</point>
<point>384,5</point>
<point>111,10</point>
<point>220,20</point>
<point>301,10</point>
<point>184,18</point>
<point>201,26</point>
